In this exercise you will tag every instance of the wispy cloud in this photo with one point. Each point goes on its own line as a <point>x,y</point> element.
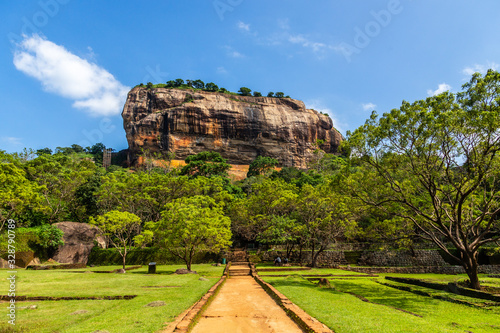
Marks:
<point>441,89</point>
<point>283,24</point>
<point>368,106</point>
<point>243,26</point>
<point>284,37</point>
<point>92,88</point>
<point>481,68</point>
<point>319,106</point>
<point>307,43</point>
<point>233,53</point>
<point>12,140</point>
<point>221,70</point>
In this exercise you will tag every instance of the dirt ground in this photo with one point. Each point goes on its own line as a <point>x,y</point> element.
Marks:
<point>243,306</point>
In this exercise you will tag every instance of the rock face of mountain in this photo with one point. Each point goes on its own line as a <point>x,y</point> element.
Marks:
<point>240,128</point>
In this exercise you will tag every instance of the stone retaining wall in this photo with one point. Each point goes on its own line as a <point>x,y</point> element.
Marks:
<point>485,269</point>
<point>365,258</point>
<point>402,258</point>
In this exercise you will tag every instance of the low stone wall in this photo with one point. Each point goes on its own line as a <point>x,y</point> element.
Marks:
<point>424,258</point>
<point>326,258</point>
<point>402,258</point>
<point>485,269</point>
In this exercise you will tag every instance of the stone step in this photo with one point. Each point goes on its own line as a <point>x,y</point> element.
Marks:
<point>239,273</point>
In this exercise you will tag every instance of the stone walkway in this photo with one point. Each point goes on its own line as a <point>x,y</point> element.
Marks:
<point>243,306</point>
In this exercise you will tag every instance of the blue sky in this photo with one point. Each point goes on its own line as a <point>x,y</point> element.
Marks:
<point>66,65</point>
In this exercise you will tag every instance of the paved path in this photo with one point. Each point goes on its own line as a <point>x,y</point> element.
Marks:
<point>243,306</point>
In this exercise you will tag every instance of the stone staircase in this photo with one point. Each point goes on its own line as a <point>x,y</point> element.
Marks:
<point>240,266</point>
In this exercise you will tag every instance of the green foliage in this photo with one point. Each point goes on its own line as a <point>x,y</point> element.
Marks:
<point>18,195</point>
<point>86,198</point>
<point>25,239</point>
<point>280,230</point>
<point>49,236</point>
<point>42,151</point>
<point>298,177</point>
<point>59,176</point>
<point>211,87</point>
<point>206,164</point>
<point>119,228</point>
<point>244,91</point>
<point>190,225</point>
<point>198,84</point>
<point>262,165</point>
<point>435,163</point>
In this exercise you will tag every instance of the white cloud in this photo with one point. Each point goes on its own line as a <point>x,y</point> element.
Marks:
<point>243,26</point>
<point>305,42</point>
<point>368,106</point>
<point>236,54</point>
<point>441,89</point>
<point>283,24</point>
<point>233,53</point>
<point>221,70</point>
<point>12,140</point>
<point>318,106</point>
<point>480,68</point>
<point>92,88</point>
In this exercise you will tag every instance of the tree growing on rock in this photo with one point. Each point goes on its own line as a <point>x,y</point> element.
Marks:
<point>262,165</point>
<point>244,91</point>
<point>206,164</point>
<point>119,228</point>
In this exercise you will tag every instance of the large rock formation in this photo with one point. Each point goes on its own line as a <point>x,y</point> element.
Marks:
<point>78,242</point>
<point>240,128</point>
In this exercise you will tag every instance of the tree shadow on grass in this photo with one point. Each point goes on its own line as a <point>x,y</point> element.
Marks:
<point>369,290</point>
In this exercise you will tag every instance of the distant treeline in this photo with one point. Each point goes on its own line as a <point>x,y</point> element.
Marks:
<point>210,86</point>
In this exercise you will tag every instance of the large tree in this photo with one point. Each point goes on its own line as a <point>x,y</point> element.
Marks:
<point>190,225</point>
<point>437,161</point>
<point>324,217</point>
<point>119,228</point>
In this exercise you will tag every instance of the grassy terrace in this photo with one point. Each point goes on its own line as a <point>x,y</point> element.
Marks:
<point>357,303</point>
<point>177,291</point>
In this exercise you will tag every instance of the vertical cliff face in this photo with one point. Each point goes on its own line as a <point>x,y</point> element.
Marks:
<point>240,128</point>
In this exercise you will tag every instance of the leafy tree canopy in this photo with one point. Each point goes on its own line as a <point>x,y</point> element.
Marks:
<point>206,164</point>
<point>262,165</point>
<point>190,225</point>
<point>437,161</point>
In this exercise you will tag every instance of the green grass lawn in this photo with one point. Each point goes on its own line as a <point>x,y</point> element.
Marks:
<point>344,312</point>
<point>177,291</point>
